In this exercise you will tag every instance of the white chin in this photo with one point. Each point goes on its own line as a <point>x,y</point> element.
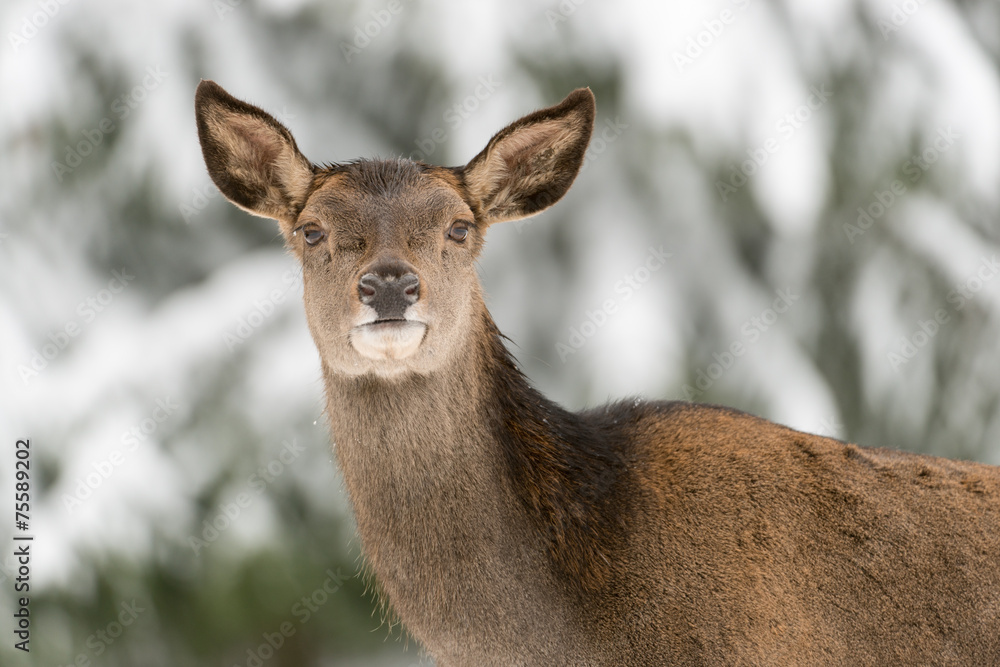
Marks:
<point>388,340</point>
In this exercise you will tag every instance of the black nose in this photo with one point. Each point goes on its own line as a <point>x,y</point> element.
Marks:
<point>390,290</point>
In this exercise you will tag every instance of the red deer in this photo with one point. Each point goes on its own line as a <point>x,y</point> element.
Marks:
<point>506,530</point>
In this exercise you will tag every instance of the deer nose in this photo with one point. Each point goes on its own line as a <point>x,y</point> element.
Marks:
<point>389,292</point>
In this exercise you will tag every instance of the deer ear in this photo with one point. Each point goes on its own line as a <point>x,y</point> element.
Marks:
<point>251,157</point>
<point>530,164</point>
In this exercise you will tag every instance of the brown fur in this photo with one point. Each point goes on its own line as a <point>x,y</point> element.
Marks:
<point>506,530</point>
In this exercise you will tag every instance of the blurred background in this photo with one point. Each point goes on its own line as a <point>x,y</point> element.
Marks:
<point>788,207</point>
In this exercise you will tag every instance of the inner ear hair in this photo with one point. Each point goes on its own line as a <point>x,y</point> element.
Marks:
<point>251,157</point>
<point>531,163</point>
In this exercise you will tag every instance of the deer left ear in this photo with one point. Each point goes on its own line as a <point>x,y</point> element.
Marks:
<point>530,164</point>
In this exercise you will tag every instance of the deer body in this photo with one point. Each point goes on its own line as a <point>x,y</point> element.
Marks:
<point>505,530</point>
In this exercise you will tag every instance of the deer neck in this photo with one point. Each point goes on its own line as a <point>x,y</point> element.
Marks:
<point>415,449</point>
<point>439,470</point>
<point>408,435</point>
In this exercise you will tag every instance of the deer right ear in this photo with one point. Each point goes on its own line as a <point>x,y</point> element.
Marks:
<point>251,157</point>
<point>530,164</point>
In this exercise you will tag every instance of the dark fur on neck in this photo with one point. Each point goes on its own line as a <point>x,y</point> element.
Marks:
<point>568,469</point>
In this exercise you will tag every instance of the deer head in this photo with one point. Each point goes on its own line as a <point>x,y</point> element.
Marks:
<point>388,246</point>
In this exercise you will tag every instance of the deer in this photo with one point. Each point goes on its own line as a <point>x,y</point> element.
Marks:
<point>504,529</point>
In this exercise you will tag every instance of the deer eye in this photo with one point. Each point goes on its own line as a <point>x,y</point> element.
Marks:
<point>313,235</point>
<point>311,232</point>
<point>459,231</point>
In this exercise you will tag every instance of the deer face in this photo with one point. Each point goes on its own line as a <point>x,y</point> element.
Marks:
<point>387,250</point>
<point>388,246</point>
